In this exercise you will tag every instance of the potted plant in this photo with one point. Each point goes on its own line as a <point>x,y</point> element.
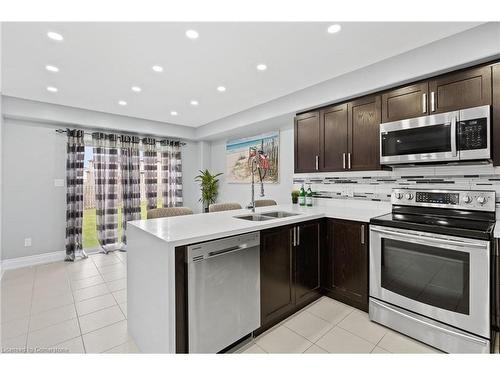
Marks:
<point>209,188</point>
<point>295,196</point>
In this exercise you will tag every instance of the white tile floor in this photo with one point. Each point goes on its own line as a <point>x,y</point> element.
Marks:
<point>81,307</point>
<point>75,307</point>
<point>329,326</point>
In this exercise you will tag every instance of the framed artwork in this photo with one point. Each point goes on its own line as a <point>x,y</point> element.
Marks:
<point>239,151</point>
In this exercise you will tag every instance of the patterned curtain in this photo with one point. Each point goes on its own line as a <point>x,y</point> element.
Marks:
<point>131,181</point>
<point>150,172</point>
<point>171,174</point>
<point>106,165</point>
<point>74,192</point>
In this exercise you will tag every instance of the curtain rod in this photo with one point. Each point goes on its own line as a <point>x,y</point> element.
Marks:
<point>60,131</point>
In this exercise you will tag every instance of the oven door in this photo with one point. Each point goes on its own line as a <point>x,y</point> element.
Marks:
<point>418,140</point>
<point>442,277</point>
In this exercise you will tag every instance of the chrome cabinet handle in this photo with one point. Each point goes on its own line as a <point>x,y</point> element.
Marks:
<point>424,103</point>
<point>293,236</point>
<point>317,162</point>
<point>343,160</point>
<point>298,236</point>
<point>349,160</point>
<point>428,239</point>
<point>433,104</point>
<point>362,234</point>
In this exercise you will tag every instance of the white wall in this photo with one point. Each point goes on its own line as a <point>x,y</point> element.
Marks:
<point>33,156</point>
<point>241,193</point>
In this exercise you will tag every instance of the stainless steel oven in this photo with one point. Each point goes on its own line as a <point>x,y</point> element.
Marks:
<point>430,268</point>
<point>444,137</point>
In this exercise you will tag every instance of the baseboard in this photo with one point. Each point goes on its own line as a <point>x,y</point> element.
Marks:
<point>10,264</point>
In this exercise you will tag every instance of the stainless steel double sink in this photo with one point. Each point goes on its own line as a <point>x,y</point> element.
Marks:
<point>266,216</point>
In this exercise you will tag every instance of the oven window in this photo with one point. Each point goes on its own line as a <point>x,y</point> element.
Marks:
<point>428,274</point>
<point>427,139</point>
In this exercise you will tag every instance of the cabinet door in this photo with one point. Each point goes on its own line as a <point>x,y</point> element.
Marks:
<point>307,142</point>
<point>405,102</point>
<point>495,120</point>
<point>345,262</point>
<point>307,253</point>
<point>364,134</point>
<point>469,88</point>
<point>276,276</point>
<point>333,138</point>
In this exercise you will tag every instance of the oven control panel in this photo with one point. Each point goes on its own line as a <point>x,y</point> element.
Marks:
<point>457,199</point>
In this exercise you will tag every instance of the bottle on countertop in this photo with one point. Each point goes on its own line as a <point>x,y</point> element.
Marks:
<point>309,197</point>
<point>302,196</point>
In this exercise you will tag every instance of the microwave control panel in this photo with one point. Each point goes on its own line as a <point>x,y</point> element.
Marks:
<point>473,134</point>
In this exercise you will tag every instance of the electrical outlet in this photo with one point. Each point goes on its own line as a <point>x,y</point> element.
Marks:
<point>27,242</point>
<point>58,182</point>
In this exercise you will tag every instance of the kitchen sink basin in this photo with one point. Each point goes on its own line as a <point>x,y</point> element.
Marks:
<point>256,217</point>
<point>266,216</point>
<point>278,214</point>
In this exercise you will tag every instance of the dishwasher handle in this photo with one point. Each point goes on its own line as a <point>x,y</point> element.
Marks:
<point>232,249</point>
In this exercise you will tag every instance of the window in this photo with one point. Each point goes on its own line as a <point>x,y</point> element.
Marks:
<point>89,233</point>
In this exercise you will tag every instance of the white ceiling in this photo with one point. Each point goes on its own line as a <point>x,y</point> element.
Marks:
<point>99,62</point>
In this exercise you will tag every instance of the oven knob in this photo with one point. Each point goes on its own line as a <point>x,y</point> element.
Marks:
<point>409,196</point>
<point>398,195</point>
<point>467,199</point>
<point>481,200</point>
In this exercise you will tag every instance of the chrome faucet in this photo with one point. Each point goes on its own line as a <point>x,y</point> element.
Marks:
<point>253,163</point>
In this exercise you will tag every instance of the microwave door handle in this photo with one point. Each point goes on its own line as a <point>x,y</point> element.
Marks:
<point>453,131</point>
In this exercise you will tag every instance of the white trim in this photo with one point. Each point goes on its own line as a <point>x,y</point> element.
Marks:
<point>10,264</point>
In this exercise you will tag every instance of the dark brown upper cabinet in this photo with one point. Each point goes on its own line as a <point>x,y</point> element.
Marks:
<point>364,134</point>
<point>307,255</point>
<point>405,102</point>
<point>495,118</point>
<point>468,88</point>
<point>307,140</point>
<point>334,138</point>
<point>344,262</point>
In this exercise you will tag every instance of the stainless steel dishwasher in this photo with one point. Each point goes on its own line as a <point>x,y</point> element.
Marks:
<point>223,291</point>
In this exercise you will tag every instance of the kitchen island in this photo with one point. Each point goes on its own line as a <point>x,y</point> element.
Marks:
<point>151,267</point>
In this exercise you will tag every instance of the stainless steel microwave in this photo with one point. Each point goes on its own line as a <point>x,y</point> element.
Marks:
<point>443,137</point>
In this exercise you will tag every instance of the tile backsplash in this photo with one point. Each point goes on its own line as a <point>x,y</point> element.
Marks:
<point>377,185</point>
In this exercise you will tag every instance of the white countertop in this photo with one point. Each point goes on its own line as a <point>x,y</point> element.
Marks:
<point>183,230</point>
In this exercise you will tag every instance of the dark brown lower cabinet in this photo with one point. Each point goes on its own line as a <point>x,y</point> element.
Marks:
<point>276,273</point>
<point>344,262</point>
<point>289,270</point>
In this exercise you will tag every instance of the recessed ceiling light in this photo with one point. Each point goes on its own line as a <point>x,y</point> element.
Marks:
<point>157,68</point>
<point>194,102</point>
<point>221,89</point>
<point>192,34</point>
<point>52,89</point>
<point>261,67</point>
<point>332,29</point>
<point>55,36</point>
<point>173,113</point>
<point>52,68</point>
<point>122,102</point>
<point>136,89</point>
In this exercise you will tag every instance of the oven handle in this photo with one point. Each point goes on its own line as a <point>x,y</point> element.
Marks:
<point>431,239</point>
<point>447,331</point>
